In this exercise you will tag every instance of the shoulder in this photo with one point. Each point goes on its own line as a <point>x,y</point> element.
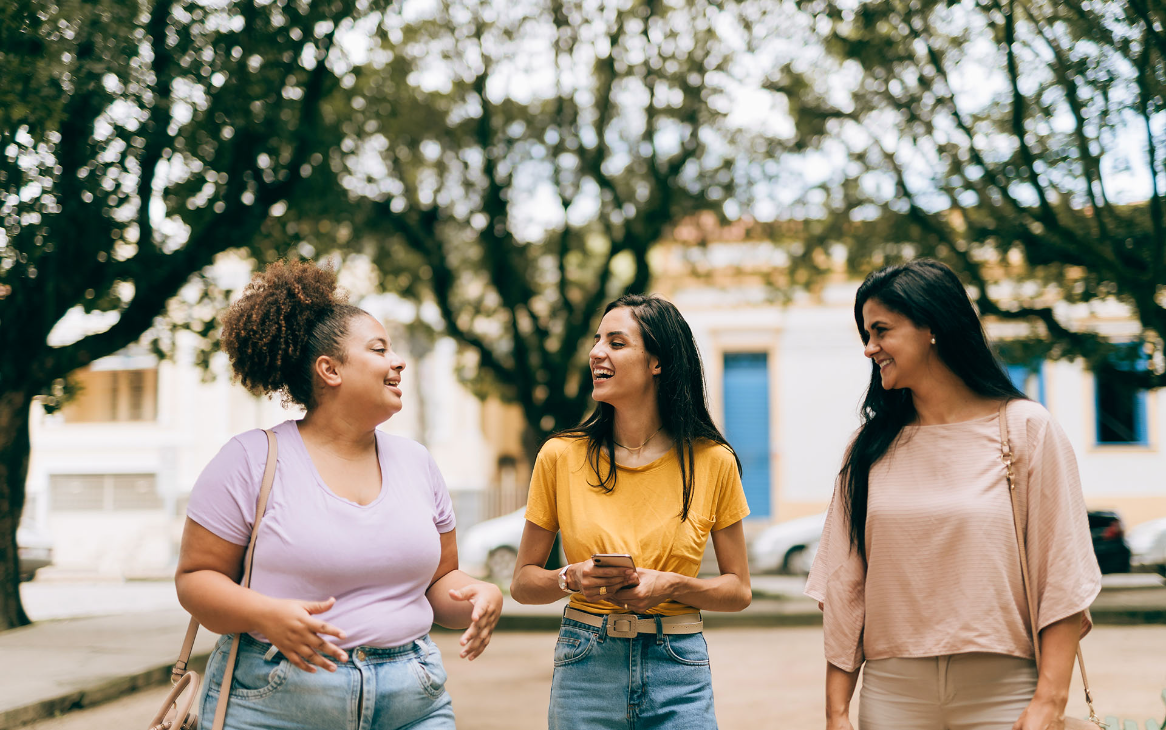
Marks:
<point>1031,416</point>
<point>1028,411</point>
<point>404,453</point>
<point>402,447</point>
<point>558,446</point>
<point>717,456</point>
<point>250,446</point>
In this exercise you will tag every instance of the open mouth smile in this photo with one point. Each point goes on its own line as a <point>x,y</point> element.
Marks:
<point>601,374</point>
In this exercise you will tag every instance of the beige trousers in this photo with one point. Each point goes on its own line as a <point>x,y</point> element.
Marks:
<point>953,692</point>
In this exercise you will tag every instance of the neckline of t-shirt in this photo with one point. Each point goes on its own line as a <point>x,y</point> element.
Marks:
<point>319,480</point>
<point>654,464</point>
<point>969,422</point>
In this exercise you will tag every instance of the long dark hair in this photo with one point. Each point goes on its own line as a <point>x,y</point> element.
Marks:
<point>929,294</point>
<point>680,395</point>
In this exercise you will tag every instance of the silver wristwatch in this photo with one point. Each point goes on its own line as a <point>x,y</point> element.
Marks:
<point>563,580</point>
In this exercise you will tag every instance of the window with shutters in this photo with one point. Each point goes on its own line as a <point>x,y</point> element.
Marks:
<point>103,492</point>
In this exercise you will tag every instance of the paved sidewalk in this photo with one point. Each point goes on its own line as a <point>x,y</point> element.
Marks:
<point>56,666</point>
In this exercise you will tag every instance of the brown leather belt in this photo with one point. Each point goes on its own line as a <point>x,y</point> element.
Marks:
<point>628,625</point>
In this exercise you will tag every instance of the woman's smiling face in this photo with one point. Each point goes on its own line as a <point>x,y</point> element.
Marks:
<point>371,371</point>
<point>622,370</point>
<point>901,349</point>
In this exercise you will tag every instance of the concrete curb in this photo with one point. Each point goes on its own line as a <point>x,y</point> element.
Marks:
<point>97,694</point>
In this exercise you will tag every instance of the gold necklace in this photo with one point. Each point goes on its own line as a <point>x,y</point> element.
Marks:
<point>641,446</point>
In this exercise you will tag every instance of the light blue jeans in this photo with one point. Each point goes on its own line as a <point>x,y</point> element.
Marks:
<point>376,689</point>
<point>657,680</point>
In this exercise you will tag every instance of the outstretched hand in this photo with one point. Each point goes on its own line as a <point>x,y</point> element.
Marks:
<point>291,626</point>
<point>486,599</point>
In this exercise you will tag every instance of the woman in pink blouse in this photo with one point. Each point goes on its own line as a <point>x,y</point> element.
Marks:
<point>918,571</point>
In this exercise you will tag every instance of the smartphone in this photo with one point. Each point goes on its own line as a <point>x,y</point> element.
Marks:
<point>614,560</point>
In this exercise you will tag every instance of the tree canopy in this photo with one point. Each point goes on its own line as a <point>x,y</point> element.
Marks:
<point>137,142</point>
<point>515,162</point>
<point>1021,141</point>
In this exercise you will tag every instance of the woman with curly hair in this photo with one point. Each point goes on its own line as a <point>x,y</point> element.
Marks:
<point>649,475</point>
<point>356,556</point>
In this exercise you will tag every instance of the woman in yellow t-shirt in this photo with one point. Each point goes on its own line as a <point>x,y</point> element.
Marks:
<point>630,651</point>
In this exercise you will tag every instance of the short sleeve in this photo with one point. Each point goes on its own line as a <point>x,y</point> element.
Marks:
<point>224,495</point>
<point>1062,564</point>
<point>730,506</point>
<point>443,515</point>
<point>542,500</point>
<point>838,580</point>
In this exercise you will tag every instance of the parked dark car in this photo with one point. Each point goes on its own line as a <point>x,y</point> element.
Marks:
<point>1109,542</point>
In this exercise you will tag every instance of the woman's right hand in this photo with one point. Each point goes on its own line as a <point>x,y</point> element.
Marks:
<point>589,578</point>
<point>291,626</point>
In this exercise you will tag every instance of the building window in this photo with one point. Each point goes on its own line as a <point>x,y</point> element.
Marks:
<point>1120,407</point>
<point>103,492</point>
<point>114,395</point>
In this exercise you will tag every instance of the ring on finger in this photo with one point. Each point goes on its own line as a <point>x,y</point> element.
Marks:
<point>603,590</point>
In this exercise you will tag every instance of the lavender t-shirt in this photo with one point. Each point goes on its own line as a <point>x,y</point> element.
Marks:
<point>376,559</point>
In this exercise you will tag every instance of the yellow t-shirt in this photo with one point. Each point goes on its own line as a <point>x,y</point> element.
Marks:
<point>641,516</point>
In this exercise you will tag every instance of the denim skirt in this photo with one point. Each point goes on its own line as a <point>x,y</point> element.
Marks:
<point>376,689</point>
<point>650,681</point>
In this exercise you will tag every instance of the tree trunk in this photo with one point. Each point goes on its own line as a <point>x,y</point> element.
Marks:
<point>14,449</point>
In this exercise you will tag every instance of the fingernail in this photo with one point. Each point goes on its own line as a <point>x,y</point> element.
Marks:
<point>343,657</point>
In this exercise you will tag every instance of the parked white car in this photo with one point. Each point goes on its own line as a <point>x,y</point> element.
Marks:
<point>1147,543</point>
<point>787,547</point>
<point>490,549</point>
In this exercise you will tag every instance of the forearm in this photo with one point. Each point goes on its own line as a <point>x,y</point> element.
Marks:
<point>220,604</point>
<point>533,585</point>
<point>448,612</point>
<point>840,686</point>
<point>1058,644</point>
<point>726,592</point>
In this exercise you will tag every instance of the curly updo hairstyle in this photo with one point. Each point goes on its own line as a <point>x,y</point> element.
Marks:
<point>289,315</point>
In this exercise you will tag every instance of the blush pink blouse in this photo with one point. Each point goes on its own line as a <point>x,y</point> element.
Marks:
<point>942,574</point>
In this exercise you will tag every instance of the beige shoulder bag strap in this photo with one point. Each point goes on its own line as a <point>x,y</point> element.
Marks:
<point>1006,455</point>
<point>178,713</point>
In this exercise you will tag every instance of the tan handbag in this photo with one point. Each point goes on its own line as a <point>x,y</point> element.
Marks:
<point>1071,723</point>
<point>178,711</point>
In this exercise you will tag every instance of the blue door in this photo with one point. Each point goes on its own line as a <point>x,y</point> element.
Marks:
<point>747,423</point>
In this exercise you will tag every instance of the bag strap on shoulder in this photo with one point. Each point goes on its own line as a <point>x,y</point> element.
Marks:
<point>180,667</point>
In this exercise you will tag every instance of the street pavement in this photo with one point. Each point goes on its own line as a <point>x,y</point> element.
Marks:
<point>762,678</point>
<point>767,664</point>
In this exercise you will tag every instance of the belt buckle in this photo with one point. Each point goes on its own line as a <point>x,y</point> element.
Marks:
<point>622,628</point>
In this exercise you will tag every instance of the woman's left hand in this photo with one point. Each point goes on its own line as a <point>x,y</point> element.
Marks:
<point>486,598</point>
<point>1041,715</point>
<point>654,588</point>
